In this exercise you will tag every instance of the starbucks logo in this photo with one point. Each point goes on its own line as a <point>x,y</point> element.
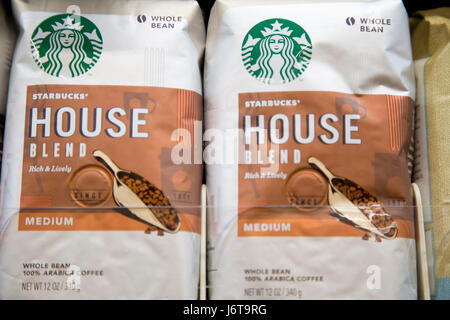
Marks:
<point>66,45</point>
<point>276,51</point>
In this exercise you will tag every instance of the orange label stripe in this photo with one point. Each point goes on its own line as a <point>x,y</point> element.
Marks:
<point>93,221</point>
<point>397,108</point>
<point>305,227</point>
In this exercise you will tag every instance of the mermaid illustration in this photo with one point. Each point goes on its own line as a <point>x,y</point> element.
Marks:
<point>278,57</point>
<point>65,51</point>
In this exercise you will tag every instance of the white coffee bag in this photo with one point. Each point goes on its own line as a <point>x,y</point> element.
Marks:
<point>92,204</point>
<point>309,112</point>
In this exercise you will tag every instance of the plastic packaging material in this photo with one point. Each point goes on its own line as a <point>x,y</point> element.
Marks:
<point>7,40</point>
<point>430,35</point>
<point>309,114</point>
<point>93,203</point>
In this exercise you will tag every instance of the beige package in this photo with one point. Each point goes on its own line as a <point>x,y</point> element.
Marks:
<point>309,118</point>
<point>94,204</point>
<point>430,36</point>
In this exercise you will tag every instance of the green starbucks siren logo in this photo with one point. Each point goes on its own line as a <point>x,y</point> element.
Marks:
<point>276,51</point>
<point>66,45</point>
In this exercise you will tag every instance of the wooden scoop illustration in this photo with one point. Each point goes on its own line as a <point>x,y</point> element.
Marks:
<point>141,198</point>
<point>353,204</point>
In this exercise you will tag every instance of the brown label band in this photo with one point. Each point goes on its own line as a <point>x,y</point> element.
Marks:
<point>106,153</point>
<point>93,221</point>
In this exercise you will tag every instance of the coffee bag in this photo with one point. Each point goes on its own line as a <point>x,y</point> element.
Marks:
<point>93,203</point>
<point>309,118</point>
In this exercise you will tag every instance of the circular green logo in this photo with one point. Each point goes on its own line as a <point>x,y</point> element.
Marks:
<point>276,51</point>
<point>66,45</point>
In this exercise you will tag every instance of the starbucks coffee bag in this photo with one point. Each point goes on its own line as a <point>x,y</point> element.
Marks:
<point>94,204</point>
<point>309,109</point>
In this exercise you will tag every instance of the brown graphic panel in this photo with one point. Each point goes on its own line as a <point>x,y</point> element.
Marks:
<point>187,110</point>
<point>361,141</point>
<point>101,156</point>
<point>397,122</point>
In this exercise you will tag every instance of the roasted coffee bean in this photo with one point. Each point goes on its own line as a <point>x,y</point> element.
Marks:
<point>368,205</point>
<point>153,198</point>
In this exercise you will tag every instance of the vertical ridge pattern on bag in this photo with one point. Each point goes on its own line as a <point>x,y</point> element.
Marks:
<point>397,128</point>
<point>187,112</point>
<point>154,65</point>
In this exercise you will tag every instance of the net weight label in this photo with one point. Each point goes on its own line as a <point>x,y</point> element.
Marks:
<point>46,286</point>
<point>276,292</point>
